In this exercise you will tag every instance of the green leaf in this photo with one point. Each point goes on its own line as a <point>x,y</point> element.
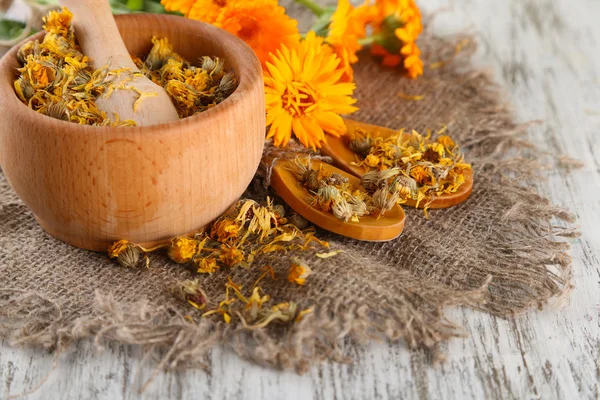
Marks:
<point>154,7</point>
<point>135,5</point>
<point>10,29</point>
<point>321,25</point>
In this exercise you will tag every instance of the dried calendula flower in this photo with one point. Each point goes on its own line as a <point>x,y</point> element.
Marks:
<point>56,78</point>
<point>360,142</point>
<point>343,210</point>
<point>192,292</point>
<point>182,249</point>
<point>384,201</point>
<point>231,256</point>
<point>298,220</point>
<point>299,271</point>
<point>335,194</point>
<point>283,312</point>
<point>327,196</point>
<point>206,265</point>
<point>225,229</point>
<point>413,166</point>
<point>127,253</point>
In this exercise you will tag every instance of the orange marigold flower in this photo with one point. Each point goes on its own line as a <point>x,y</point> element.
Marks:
<point>304,94</point>
<point>347,26</point>
<point>183,6</point>
<point>263,24</point>
<point>397,25</point>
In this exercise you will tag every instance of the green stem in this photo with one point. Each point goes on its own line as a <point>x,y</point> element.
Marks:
<point>135,5</point>
<point>312,6</point>
<point>367,41</point>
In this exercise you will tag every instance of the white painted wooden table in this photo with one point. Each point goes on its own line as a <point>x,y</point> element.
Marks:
<point>547,55</point>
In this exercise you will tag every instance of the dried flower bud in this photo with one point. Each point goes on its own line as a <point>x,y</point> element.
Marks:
<point>342,209</point>
<point>387,174</point>
<point>213,66</point>
<point>191,292</point>
<point>225,229</point>
<point>226,86</point>
<point>182,249</point>
<point>384,201</point>
<point>284,312</point>
<point>279,210</point>
<point>361,143</point>
<point>255,304</point>
<point>326,195</point>
<point>231,256</point>
<point>126,253</point>
<point>24,89</point>
<point>57,110</point>
<point>370,180</point>
<point>299,271</point>
<point>405,186</point>
<point>312,181</point>
<point>298,220</point>
<point>358,206</point>
<point>302,168</point>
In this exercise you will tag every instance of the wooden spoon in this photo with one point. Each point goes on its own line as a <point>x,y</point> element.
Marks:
<point>100,40</point>
<point>338,149</point>
<point>369,228</point>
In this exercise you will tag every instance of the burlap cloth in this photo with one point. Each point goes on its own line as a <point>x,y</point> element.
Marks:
<point>500,252</point>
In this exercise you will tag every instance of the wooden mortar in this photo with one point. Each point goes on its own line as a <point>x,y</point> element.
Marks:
<point>89,186</point>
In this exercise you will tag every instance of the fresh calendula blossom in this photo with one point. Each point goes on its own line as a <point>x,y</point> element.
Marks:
<point>263,24</point>
<point>397,25</point>
<point>304,95</point>
<point>346,28</point>
<point>183,6</point>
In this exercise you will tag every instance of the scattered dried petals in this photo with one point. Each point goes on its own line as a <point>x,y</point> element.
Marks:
<point>299,272</point>
<point>330,254</point>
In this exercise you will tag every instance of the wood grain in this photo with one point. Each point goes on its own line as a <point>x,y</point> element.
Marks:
<point>546,53</point>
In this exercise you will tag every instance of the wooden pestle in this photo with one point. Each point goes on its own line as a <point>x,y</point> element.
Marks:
<point>100,40</point>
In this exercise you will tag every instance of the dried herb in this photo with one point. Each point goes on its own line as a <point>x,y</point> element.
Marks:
<point>56,78</point>
<point>332,192</point>
<point>409,167</point>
